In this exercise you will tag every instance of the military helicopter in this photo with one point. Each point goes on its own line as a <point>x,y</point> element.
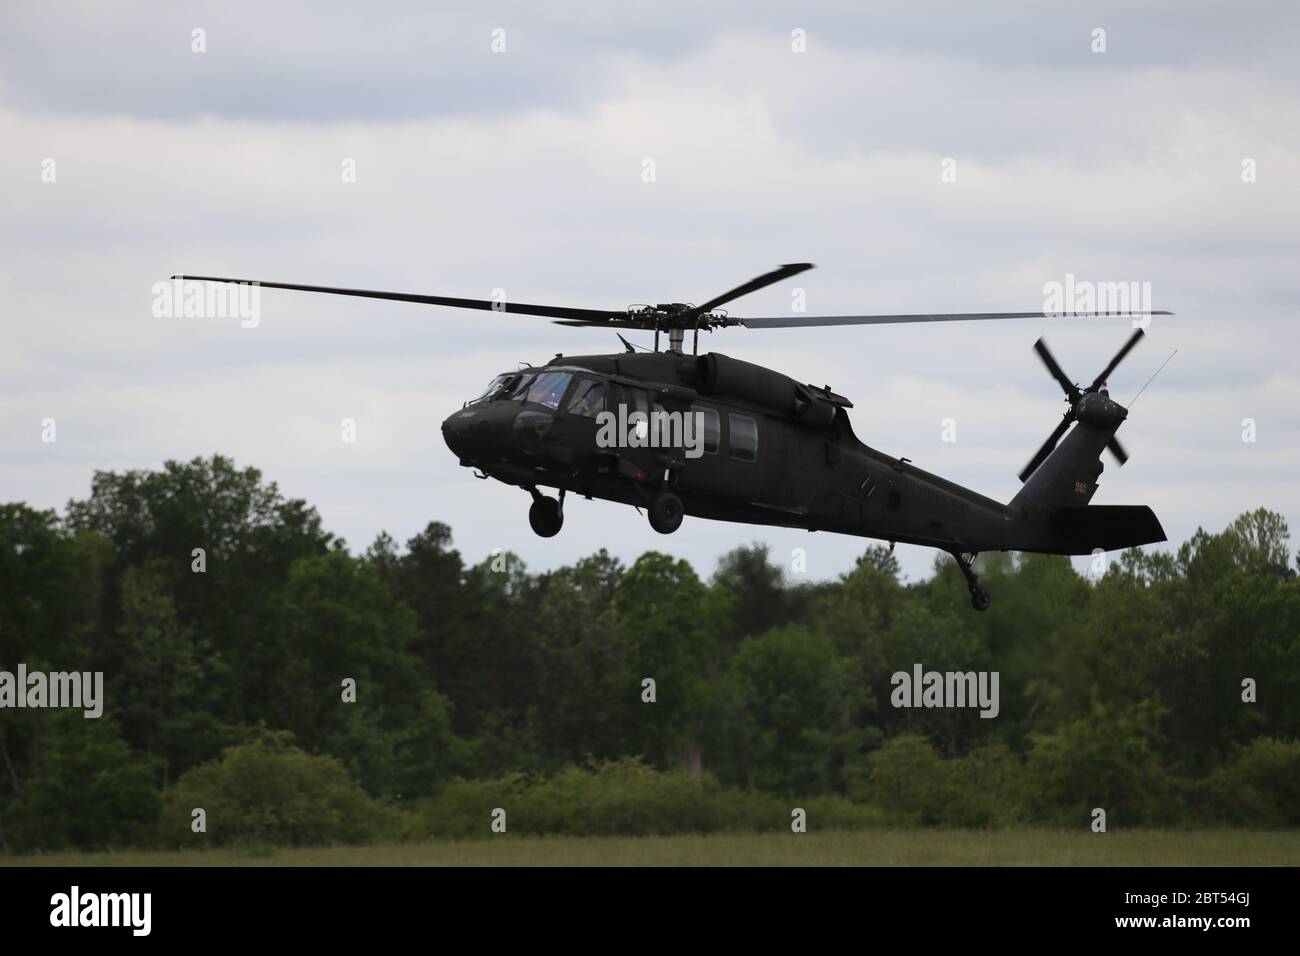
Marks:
<point>767,449</point>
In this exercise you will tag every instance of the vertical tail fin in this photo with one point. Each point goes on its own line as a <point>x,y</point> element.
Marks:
<point>1068,475</point>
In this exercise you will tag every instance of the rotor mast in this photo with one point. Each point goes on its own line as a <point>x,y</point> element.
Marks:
<point>674,318</point>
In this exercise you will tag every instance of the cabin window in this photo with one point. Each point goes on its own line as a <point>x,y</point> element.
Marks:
<point>548,388</point>
<point>744,437</point>
<point>588,398</point>
<point>712,427</point>
<point>637,400</point>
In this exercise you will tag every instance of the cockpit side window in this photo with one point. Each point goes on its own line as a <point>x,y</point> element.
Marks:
<point>548,388</point>
<point>588,398</point>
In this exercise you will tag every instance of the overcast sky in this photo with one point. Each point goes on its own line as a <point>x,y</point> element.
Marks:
<point>523,170</point>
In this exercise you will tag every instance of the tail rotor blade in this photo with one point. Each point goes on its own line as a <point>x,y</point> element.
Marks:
<point>1117,450</point>
<point>1048,447</point>
<point>1066,385</point>
<point>1119,357</point>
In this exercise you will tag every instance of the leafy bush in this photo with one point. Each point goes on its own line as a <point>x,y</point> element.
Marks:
<point>908,780</point>
<point>462,809</point>
<point>1259,788</point>
<point>270,792</point>
<point>993,787</point>
<point>619,798</point>
<point>623,797</point>
<point>840,813</point>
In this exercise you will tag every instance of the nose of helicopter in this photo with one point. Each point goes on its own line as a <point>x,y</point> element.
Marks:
<point>467,432</point>
<point>455,430</point>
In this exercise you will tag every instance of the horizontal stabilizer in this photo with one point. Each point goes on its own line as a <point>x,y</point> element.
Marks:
<point>1108,527</point>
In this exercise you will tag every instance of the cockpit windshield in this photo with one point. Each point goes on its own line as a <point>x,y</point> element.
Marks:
<point>548,388</point>
<point>496,388</point>
<point>542,388</point>
<point>519,389</point>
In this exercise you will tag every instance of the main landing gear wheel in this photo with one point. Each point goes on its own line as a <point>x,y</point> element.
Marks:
<point>979,598</point>
<point>665,512</point>
<point>546,516</point>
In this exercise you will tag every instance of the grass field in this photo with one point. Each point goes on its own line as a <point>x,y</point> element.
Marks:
<point>879,848</point>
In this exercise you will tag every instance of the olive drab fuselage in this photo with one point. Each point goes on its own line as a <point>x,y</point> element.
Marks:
<point>806,468</point>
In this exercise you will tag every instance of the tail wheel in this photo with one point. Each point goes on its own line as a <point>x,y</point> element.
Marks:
<point>545,516</point>
<point>666,512</point>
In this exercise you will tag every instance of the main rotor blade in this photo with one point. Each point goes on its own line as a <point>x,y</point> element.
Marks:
<point>1117,450</point>
<point>1048,447</point>
<point>622,320</point>
<point>1119,357</point>
<point>1049,360</point>
<point>594,316</point>
<point>753,285</point>
<point>795,322</point>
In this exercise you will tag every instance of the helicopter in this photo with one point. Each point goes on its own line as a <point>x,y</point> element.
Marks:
<point>749,444</point>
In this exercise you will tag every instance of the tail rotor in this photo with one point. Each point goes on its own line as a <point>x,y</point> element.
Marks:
<point>1078,402</point>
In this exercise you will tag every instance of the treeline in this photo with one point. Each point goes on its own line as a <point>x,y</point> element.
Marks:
<point>227,623</point>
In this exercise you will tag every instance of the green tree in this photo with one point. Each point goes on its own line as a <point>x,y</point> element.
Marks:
<point>671,625</point>
<point>86,788</point>
<point>756,586</point>
<point>338,622</point>
<point>165,680</point>
<point>788,724</point>
<point>585,704</point>
<point>249,534</point>
<point>1108,760</point>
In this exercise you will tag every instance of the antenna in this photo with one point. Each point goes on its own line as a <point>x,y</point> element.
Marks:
<point>1153,377</point>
